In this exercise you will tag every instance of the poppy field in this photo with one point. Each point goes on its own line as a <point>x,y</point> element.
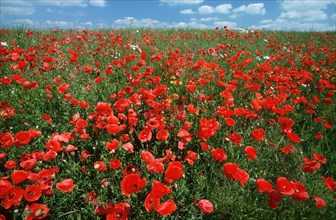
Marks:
<point>167,124</point>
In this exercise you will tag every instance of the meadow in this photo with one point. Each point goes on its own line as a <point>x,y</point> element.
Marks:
<point>167,124</point>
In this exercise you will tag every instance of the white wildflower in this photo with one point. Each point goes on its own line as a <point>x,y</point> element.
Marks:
<point>5,44</point>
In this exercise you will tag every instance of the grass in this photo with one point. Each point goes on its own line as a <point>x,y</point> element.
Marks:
<point>290,74</point>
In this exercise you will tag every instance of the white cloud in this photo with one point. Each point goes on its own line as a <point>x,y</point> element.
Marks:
<point>132,22</point>
<point>304,10</point>
<point>101,25</point>
<point>187,12</point>
<point>206,9</point>
<point>60,24</point>
<point>229,24</point>
<point>17,8</point>
<point>253,9</point>
<point>208,19</point>
<point>88,23</point>
<point>194,23</point>
<point>234,16</point>
<point>283,24</point>
<point>63,3</point>
<point>265,21</point>
<point>28,7</point>
<point>333,16</point>
<point>98,3</point>
<point>190,25</point>
<point>18,11</point>
<point>305,5</point>
<point>182,2</point>
<point>223,8</point>
<point>125,21</point>
<point>24,22</point>
<point>290,14</point>
<point>311,15</point>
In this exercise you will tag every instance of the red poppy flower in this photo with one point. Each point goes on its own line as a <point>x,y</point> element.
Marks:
<point>204,146</point>
<point>153,123</point>
<point>274,198</point>
<point>88,69</point>
<point>319,158</point>
<point>65,185</point>
<point>166,208</point>
<point>286,124</point>
<point>287,149</point>
<point>330,183</point>
<point>19,176</point>
<point>23,137</point>
<point>319,202</point>
<point>132,183</point>
<point>85,155</point>
<point>230,122</point>
<point>100,166</point>
<point>241,175</point>
<point>81,123</point>
<point>10,164</point>
<point>128,147</point>
<point>293,137</point>
<point>229,169</point>
<point>47,118</point>
<point>192,109</point>
<point>5,187</point>
<point>151,202</point>
<point>13,197</point>
<point>251,152</point>
<point>28,164</point>
<point>113,145</point>
<point>184,135</point>
<point>162,135</point>
<point>174,171</point>
<point>284,186</point>
<point>70,148</point>
<point>32,193</point>
<point>130,169</point>
<point>37,211</point>
<point>104,209</point>
<point>91,197</point>
<point>218,154</point>
<point>300,192</point>
<point>113,129</point>
<point>205,206</point>
<point>62,88</point>
<point>235,138</point>
<point>54,145</point>
<point>310,165</point>
<point>191,157</point>
<point>49,155</point>
<point>147,156</point>
<point>263,185</point>
<point>115,164</point>
<point>258,134</point>
<point>156,166</point>
<point>120,211</point>
<point>159,189</point>
<point>7,140</point>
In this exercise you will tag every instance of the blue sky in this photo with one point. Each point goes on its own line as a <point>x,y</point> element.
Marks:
<point>260,14</point>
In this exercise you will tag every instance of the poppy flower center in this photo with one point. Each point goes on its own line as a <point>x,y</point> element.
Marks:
<point>11,196</point>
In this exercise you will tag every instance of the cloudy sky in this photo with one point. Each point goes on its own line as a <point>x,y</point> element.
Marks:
<point>319,15</point>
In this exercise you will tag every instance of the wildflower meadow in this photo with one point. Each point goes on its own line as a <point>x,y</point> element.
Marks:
<point>167,124</point>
